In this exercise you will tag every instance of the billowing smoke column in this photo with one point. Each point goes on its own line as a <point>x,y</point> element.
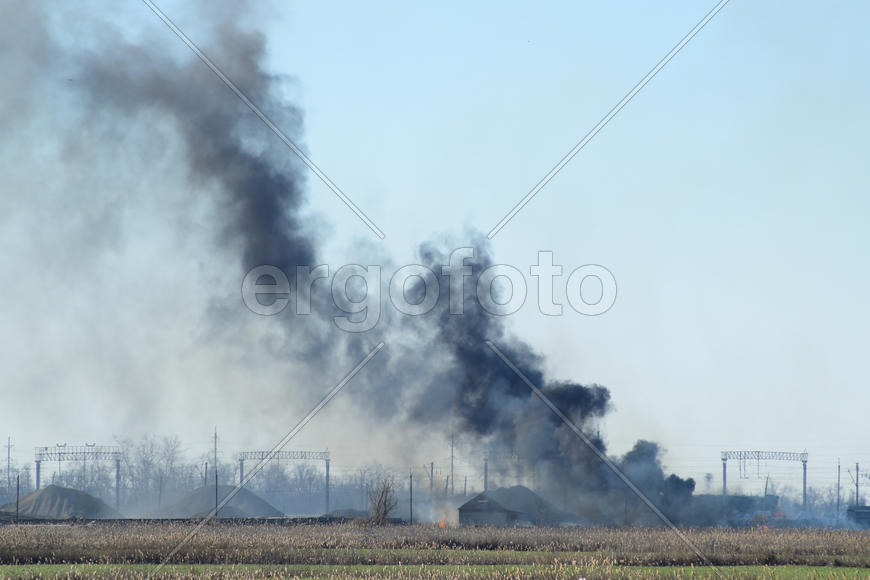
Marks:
<point>438,369</point>
<point>259,186</point>
<point>470,387</point>
<point>261,191</point>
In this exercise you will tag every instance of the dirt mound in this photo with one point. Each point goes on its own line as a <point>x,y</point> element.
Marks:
<point>200,502</point>
<point>61,503</point>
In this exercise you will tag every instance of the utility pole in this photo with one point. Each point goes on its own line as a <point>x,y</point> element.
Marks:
<point>465,487</point>
<point>838,489</point>
<point>17,494</point>
<point>805,484</point>
<point>431,477</point>
<point>411,496</point>
<point>9,463</point>
<point>857,489</point>
<point>327,487</point>
<point>117,484</point>
<point>452,487</point>
<point>215,473</point>
<point>625,508</point>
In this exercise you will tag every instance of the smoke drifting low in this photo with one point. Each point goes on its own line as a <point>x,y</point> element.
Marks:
<point>437,369</point>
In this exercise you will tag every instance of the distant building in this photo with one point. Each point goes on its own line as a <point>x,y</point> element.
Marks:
<point>482,510</point>
<point>859,514</point>
<point>512,506</point>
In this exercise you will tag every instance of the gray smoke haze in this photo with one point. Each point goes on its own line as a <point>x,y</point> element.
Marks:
<point>236,199</point>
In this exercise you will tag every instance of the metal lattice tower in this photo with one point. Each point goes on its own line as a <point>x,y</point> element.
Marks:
<point>287,455</point>
<point>764,456</point>
<point>82,453</point>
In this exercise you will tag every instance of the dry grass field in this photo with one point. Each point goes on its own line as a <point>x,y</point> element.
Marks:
<point>131,550</point>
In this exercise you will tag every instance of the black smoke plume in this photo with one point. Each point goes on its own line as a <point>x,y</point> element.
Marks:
<point>438,370</point>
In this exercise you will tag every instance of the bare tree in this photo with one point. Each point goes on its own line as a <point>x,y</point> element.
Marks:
<point>382,501</point>
<point>305,478</point>
<point>168,455</point>
<point>272,479</point>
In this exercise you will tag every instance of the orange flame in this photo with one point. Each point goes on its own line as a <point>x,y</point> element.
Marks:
<point>442,523</point>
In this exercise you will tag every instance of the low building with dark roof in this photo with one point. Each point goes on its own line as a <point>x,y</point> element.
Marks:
<point>859,514</point>
<point>512,506</point>
<point>482,510</point>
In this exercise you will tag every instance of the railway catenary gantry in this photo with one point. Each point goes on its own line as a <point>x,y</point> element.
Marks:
<point>764,456</point>
<point>64,452</point>
<point>286,455</point>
